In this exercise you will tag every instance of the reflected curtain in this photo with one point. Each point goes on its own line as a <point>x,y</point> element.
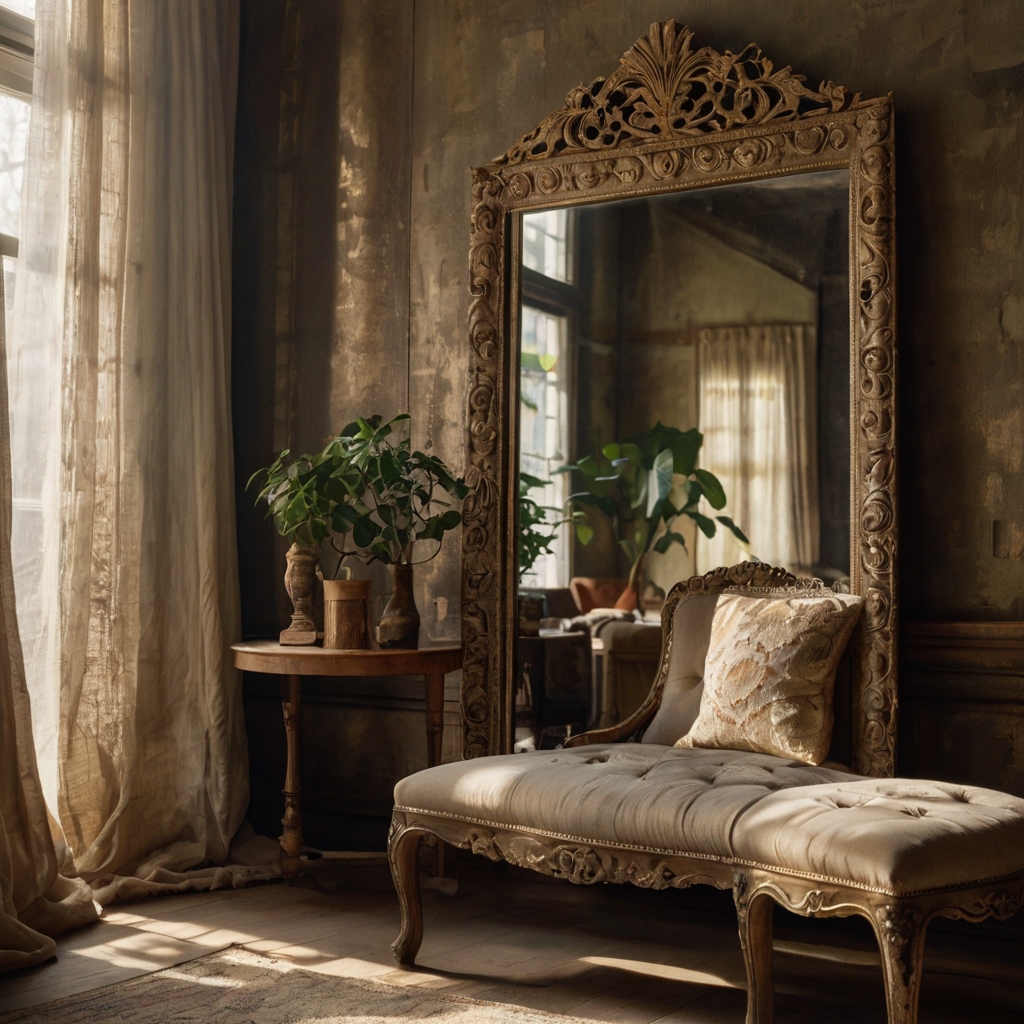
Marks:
<point>758,414</point>
<point>124,537</point>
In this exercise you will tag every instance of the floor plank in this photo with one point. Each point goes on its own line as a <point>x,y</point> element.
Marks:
<point>601,953</point>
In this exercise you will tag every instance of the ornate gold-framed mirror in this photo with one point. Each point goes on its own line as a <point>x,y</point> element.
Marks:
<point>672,120</point>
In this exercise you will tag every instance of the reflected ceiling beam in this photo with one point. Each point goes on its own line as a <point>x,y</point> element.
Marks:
<point>747,243</point>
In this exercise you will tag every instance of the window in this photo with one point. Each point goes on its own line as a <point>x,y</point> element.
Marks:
<point>548,311</point>
<point>17,41</point>
<point>546,244</point>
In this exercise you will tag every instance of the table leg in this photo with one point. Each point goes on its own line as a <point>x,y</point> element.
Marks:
<point>291,839</point>
<point>435,733</point>
<point>435,717</point>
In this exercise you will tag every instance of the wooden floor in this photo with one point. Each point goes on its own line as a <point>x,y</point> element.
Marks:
<point>603,953</point>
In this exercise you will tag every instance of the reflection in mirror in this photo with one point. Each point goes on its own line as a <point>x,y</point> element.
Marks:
<point>688,356</point>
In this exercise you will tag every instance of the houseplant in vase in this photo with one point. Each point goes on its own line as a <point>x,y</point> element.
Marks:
<point>388,501</point>
<point>632,482</point>
<point>301,512</point>
<point>376,496</point>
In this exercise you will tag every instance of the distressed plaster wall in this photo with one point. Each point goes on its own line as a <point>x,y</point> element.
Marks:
<point>403,97</point>
<point>487,72</point>
<point>382,299</point>
<point>321,314</point>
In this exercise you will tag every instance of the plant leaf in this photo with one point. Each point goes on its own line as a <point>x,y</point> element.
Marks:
<point>364,531</point>
<point>730,525</point>
<point>531,482</point>
<point>667,540</point>
<point>640,486</point>
<point>706,525</point>
<point>713,490</point>
<point>660,484</point>
<point>685,448</point>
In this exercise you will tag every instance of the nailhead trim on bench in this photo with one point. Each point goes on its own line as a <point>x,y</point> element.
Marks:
<point>528,830</point>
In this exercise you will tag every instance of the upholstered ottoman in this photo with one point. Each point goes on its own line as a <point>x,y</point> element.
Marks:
<point>896,851</point>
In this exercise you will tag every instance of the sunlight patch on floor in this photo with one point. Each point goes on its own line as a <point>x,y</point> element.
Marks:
<point>354,967</point>
<point>141,950</point>
<point>202,935</point>
<point>193,979</point>
<point>666,971</point>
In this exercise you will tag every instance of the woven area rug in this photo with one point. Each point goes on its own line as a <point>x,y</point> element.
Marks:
<point>235,986</point>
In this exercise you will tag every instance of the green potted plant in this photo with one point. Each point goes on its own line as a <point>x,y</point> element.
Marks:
<point>631,482</point>
<point>538,528</point>
<point>375,494</point>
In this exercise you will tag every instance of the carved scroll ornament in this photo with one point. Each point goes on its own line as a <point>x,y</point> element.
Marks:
<point>664,89</point>
<point>671,118</point>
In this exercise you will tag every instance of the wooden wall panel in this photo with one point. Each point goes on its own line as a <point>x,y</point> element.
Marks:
<point>962,703</point>
<point>359,737</point>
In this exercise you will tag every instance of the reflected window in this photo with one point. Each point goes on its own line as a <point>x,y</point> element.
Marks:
<point>544,428</point>
<point>546,348</point>
<point>546,244</point>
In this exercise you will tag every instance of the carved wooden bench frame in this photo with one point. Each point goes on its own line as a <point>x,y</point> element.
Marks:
<point>899,922</point>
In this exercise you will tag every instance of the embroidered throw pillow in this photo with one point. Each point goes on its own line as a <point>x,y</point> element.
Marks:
<point>770,673</point>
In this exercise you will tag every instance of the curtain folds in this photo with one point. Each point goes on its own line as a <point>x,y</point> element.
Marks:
<point>36,902</point>
<point>124,540</point>
<point>758,414</point>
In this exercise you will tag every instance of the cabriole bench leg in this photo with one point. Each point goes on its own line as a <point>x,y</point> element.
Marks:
<point>754,914</point>
<point>403,846</point>
<point>900,930</point>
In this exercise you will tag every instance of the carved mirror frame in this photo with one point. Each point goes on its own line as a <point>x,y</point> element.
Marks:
<point>672,118</point>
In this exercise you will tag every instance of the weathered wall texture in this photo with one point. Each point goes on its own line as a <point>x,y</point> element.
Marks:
<point>487,72</point>
<point>321,335</point>
<point>395,102</point>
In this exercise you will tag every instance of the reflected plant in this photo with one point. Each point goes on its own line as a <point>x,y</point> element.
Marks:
<point>631,482</point>
<point>537,529</point>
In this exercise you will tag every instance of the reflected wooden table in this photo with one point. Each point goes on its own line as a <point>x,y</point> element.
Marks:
<point>272,658</point>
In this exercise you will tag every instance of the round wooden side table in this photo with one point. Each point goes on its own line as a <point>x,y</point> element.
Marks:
<point>272,658</point>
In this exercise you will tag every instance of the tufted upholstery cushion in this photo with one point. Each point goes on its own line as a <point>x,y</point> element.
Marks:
<point>892,836</point>
<point>896,836</point>
<point>633,793</point>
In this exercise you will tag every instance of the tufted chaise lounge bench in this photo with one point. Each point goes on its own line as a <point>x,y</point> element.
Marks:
<point>818,840</point>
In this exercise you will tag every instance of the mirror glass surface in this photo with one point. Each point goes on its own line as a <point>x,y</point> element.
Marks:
<point>724,314</point>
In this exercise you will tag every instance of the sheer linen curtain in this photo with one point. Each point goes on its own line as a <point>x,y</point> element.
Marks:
<point>124,534</point>
<point>36,902</point>
<point>758,414</point>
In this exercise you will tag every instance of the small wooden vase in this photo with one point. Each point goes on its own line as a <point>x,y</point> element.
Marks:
<point>531,611</point>
<point>346,615</point>
<point>300,583</point>
<point>400,624</point>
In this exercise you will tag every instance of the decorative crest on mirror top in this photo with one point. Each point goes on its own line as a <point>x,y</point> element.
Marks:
<point>671,118</point>
<point>664,89</point>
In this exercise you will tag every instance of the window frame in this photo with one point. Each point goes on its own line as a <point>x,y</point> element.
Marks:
<point>17,66</point>
<point>559,298</point>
